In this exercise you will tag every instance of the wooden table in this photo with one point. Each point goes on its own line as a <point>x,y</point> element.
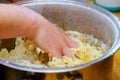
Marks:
<point>116,64</point>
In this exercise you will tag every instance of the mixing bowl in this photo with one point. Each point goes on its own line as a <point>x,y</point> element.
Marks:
<point>85,18</point>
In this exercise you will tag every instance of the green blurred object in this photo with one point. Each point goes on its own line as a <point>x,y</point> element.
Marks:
<point>112,6</point>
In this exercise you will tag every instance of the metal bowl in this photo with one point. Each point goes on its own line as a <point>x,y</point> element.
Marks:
<point>81,17</point>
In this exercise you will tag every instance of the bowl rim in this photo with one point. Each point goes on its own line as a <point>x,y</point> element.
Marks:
<point>109,53</point>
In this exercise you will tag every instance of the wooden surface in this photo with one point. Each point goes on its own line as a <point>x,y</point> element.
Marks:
<point>116,61</point>
<point>116,66</point>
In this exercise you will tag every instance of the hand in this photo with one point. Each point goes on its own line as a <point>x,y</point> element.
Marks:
<point>53,40</point>
<point>25,22</point>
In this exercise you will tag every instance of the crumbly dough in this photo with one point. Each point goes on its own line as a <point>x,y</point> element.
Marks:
<point>27,54</point>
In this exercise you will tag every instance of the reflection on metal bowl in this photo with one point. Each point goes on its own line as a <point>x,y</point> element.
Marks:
<point>83,18</point>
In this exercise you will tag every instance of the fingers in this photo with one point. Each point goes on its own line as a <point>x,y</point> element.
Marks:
<point>63,48</point>
<point>67,44</point>
<point>67,52</point>
<point>71,43</point>
<point>55,53</point>
<point>54,41</point>
<point>59,53</point>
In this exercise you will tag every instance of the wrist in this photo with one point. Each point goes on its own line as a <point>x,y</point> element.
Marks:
<point>30,23</point>
<point>32,29</point>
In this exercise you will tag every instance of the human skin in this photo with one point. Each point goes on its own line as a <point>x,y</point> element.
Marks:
<point>18,21</point>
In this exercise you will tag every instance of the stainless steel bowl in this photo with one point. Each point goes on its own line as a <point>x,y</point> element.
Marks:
<point>84,18</point>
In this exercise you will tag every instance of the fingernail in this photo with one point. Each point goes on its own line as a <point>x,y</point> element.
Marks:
<point>68,52</point>
<point>76,44</point>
